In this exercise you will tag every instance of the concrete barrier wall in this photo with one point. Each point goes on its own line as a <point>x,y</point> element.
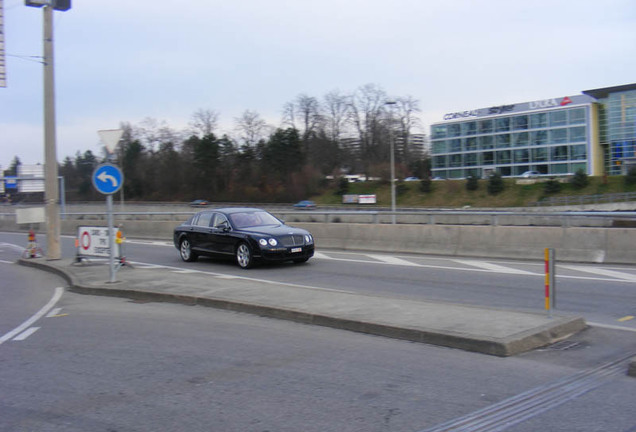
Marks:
<point>597,245</point>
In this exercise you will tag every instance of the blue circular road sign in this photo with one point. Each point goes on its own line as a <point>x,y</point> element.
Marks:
<point>107,179</point>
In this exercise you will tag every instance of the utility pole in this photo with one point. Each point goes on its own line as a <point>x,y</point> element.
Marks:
<point>51,194</point>
<point>51,191</point>
<point>391,104</point>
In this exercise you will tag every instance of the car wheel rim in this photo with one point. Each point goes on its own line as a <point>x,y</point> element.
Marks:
<point>243,256</point>
<point>185,250</point>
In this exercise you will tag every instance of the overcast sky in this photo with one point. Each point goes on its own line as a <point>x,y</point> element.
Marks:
<point>124,60</point>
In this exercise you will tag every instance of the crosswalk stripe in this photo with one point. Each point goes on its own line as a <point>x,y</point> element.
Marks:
<point>604,272</point>
<point>494,267</point>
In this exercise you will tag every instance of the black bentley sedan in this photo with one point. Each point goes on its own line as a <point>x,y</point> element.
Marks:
<point>245,234</point>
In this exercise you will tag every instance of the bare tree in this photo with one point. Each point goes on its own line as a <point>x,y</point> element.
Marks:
<point>251,128</point>
<point>336,107</point>
<point>407,108</point>
<point>204,122</point>
<point>366,115</point>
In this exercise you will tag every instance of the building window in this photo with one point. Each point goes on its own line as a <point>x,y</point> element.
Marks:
<point>439,147</point>
<point>520,139</point>
<point>439,131</point>
<point>453,130</point>
<point>558,118</point>
<point>559,153</point>
<point>503,157</point>
<point>539,154</point>
<point>578,152</point>
<point>469,128</point>
<point>577,134</point>
<point>538,120</point>
<point>485,126</point>
<point>503,140</point>
<point>439,161</point>
<point>559,169</point>
<point>485,142</point>
<point>455,146</point>
<point>488,158</point>
<point>558,136</point>
<point>577,115</point>
<point>455,160</point>
<point>470,159</point>
<point>520,122</point>
<point>470,144</point>
<point>539,137</point>
<point>521,156</point>
<point>502,124</point>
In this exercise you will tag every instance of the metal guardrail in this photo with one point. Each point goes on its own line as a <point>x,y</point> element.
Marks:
<point>432,217</point>
<point>587,199</point>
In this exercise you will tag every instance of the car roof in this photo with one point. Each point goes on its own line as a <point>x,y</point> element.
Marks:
<point>231,210</point>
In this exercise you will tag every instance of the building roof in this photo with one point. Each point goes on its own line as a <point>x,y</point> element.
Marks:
<point>604,92</point>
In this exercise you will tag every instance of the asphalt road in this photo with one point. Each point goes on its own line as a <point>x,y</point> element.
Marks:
<point>104,364</point>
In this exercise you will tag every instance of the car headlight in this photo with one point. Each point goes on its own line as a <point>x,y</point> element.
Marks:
<point>265,242</point>
<point>308,239</point>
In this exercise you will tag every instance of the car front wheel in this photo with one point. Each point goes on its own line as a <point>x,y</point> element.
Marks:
<point>244,256</point>
<point>185,251</point>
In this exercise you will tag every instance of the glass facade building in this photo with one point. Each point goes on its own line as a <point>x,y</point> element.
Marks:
<point>594,132</point>
<point>617,126</point>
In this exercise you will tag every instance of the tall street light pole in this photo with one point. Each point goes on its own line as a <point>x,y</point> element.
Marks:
<point>391,104</point>
<point>51,194</point>
<point>51,191</point>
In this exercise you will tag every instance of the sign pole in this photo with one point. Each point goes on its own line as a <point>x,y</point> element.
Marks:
<point>111,245</point>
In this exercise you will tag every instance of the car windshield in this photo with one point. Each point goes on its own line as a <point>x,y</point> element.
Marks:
<point>253,219</point>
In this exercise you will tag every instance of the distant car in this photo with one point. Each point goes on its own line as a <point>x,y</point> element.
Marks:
<point>305,204</point>
<point>529,174</point>
<point>246,235</point>
<point>199,203</point>
<point>437,178</point>
<point>412,179</point>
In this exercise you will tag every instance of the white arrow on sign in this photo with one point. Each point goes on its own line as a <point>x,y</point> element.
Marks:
<point>105,177</point>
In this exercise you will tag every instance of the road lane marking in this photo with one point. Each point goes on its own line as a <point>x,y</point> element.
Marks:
<point>612,327</point>
<point>25,334</point>
<point>53,312</point>
<point>322,256</point>
<point>6,262</point>
<point>626,318</point>
<point>387,259</point>
<point>25,325</point>
<point>604,272</point>
<point>494,267</point>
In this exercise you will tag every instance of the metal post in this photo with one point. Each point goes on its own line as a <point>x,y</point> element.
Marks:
<point>391,144</point>
<point>53,251</point>
<point>550,289</point>
<point>111,243</point>
<point>553,279</point>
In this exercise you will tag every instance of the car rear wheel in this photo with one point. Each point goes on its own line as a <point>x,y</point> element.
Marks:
<point>244,256</point>
<point>185,251</point>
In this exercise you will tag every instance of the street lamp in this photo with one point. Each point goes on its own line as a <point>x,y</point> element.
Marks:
<point>51,193</point>
<point>391,103</point>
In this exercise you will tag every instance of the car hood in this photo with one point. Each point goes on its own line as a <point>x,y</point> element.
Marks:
<point>274,231</point>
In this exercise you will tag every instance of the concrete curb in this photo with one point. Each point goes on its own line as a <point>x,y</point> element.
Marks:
<point>559,327</point>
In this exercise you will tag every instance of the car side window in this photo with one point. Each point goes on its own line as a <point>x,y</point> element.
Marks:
<point>204,220</point>
<point>220,221</point>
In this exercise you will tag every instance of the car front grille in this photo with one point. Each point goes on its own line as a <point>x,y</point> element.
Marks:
<point>292,240</point>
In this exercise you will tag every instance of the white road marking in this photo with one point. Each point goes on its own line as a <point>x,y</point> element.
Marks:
<point>322,256</point>
<point>25,325</point>
<point>494,267</point>
<point>600,271</point>
<point>6,262</point>
<point>387,259</point>
<point>610,326</point>
<point>25,334</point>
<point>54,312</point>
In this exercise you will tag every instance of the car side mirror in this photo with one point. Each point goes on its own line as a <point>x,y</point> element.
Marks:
<point>224,226</point>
